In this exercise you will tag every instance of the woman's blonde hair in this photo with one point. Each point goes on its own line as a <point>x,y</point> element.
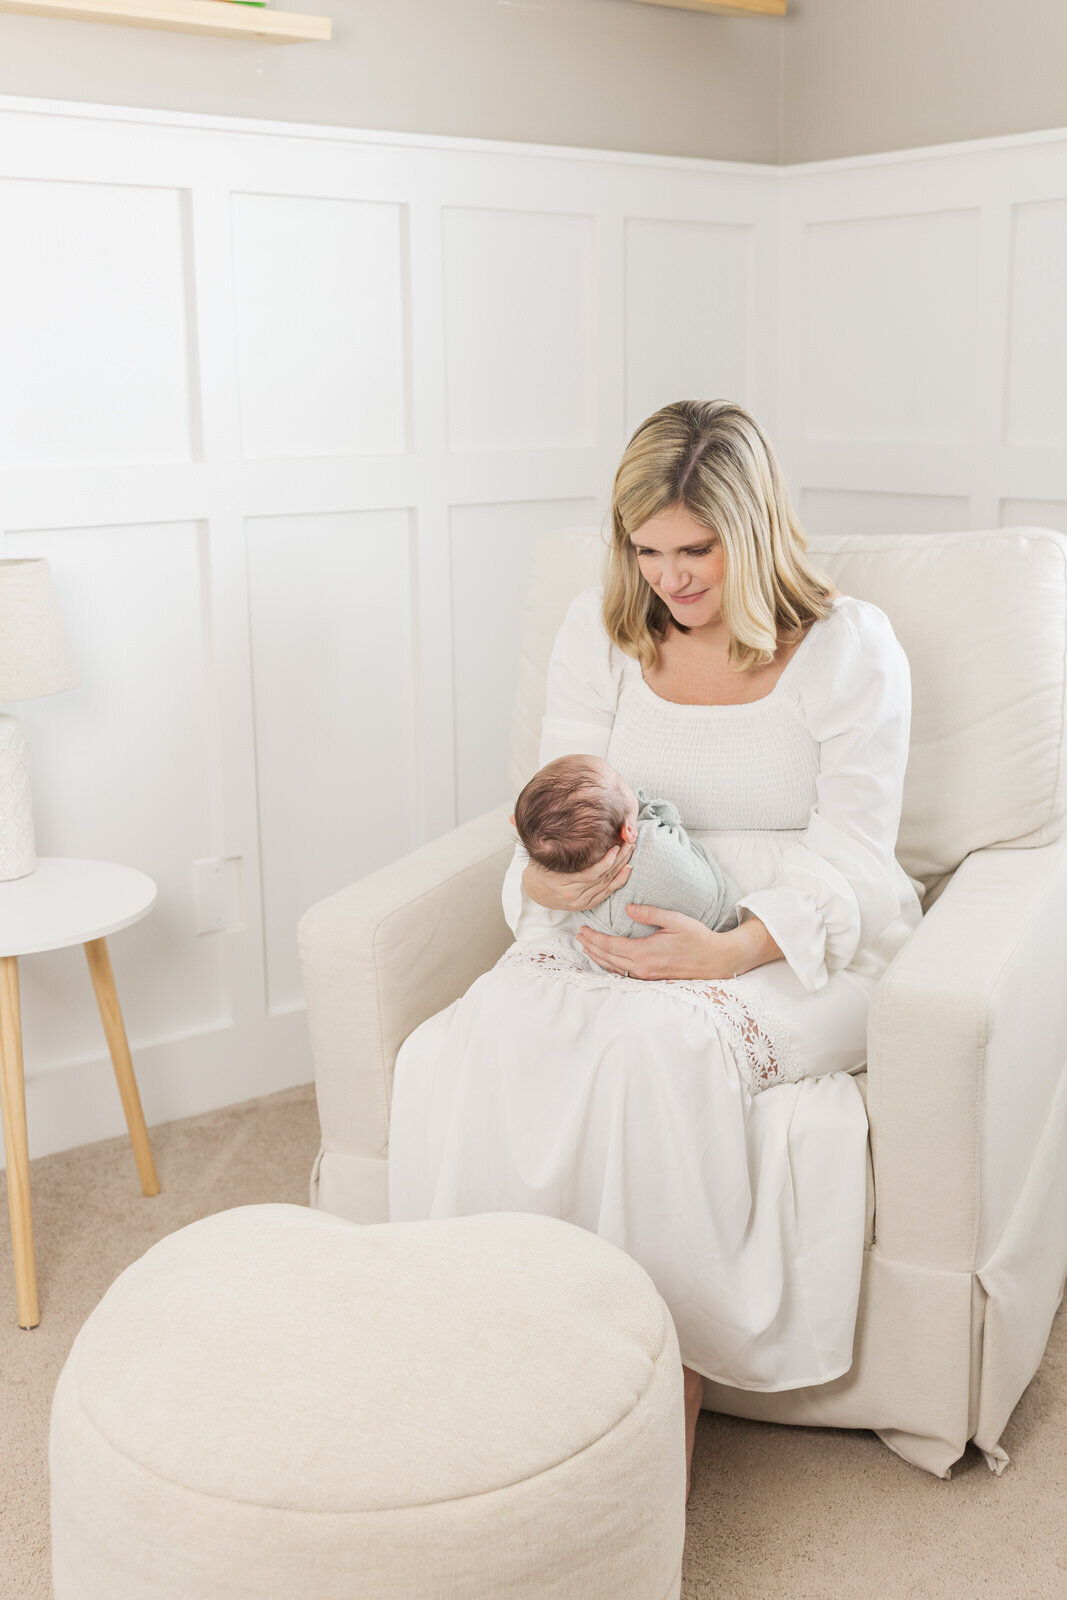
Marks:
<point>710,457</point>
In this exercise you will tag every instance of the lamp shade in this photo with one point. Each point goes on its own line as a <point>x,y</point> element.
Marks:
<point>35,654</point>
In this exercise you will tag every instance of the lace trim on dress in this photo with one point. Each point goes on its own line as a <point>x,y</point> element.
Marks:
<point>761,1045</point>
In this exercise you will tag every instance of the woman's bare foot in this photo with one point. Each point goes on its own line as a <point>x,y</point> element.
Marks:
<point>694,1394</point>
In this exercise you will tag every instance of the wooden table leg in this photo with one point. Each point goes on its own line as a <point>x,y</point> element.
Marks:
<point>107,999</point>
<point>16,1145</point>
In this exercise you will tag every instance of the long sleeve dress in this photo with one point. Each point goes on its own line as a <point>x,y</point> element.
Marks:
<point>711,1130</point>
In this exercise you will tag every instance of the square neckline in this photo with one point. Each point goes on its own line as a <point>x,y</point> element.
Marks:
<point>737,705</point>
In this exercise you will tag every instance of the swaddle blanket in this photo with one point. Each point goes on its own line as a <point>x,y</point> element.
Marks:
<point>671,871</point>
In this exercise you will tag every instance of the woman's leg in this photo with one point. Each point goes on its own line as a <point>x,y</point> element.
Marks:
<point>694,1393</point>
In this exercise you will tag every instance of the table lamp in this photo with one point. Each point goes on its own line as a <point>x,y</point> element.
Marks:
<point>35,659</point>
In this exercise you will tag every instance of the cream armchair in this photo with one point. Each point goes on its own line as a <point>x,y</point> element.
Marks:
<point>967,1090</point>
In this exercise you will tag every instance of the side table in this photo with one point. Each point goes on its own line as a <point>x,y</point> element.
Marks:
<point>66,901</point>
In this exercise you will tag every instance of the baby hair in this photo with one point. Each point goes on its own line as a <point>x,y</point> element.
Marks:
<point>567,816</point>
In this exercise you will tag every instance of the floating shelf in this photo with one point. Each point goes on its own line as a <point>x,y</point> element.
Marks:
<point>222,17</point>
<point>737,8</point>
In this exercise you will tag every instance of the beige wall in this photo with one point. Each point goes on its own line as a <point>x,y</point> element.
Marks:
<point>868,75</point>
<point>834,78</point>
<point>604,73</point>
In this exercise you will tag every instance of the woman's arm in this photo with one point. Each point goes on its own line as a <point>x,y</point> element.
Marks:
<point>839,886</point>
<point>683,948</point>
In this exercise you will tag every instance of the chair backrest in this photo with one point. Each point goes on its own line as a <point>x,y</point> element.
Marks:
<point>983,619</point>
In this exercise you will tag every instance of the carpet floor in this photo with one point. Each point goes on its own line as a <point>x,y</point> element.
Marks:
<point>775,1514</point>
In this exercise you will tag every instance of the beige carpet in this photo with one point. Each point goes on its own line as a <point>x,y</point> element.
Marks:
<point>775,1514</point>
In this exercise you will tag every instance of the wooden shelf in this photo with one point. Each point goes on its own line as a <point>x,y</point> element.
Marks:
<point>734,8</point>
<point>222,17</point>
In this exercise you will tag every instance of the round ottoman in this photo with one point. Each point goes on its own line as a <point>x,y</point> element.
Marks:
<point>276,1402</point>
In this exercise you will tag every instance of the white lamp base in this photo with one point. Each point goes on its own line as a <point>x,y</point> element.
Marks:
<point>18,857</point>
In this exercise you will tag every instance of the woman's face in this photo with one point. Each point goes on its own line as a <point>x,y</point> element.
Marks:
<point>683,563</point>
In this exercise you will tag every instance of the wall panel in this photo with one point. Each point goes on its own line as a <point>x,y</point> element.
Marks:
<point>689,307</point>
<point>891,313</point>
<point>924,337</point>
<point>332,614</point>
<point>94,334</point>
<point>1034,514</point>
<point>848,511</point>
<point>1037,374</point>
<point>518,292</point>
<point>320,325</point>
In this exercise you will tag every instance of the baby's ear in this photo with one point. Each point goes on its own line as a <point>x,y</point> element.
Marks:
<point>628,832</point>
<point>511,819</point>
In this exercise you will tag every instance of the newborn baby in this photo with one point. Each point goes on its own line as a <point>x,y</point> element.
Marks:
<point>577,808</point>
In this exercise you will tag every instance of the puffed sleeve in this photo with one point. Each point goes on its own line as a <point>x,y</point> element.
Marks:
<point>581,695</point>
<point>839,886</point>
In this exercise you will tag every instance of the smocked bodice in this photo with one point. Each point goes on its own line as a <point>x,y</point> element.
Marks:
<point>731,767</point>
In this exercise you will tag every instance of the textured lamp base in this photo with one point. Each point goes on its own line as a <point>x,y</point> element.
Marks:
<point>18,857</point>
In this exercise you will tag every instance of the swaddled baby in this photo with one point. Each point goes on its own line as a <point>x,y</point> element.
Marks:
<point>577,808</point>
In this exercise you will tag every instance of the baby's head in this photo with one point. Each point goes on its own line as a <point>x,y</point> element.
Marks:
<point>573,812</point>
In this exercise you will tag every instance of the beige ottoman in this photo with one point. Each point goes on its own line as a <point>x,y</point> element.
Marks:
<point>276,1402</point>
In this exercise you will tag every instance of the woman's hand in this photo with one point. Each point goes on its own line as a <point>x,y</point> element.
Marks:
<point>578,891</point>
<point>682,948</point>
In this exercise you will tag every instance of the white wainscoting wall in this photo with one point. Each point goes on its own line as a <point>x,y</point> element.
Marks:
<point>286,408</point>
<point>924,338</point>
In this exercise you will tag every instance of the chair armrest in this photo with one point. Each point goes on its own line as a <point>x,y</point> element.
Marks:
<point>967,1041</point>
<point>384,954</point>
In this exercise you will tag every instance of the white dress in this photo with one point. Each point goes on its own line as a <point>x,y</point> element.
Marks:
<point>710,1130</point>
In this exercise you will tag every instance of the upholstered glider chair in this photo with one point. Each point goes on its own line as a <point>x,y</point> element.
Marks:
<point>966,1084</point>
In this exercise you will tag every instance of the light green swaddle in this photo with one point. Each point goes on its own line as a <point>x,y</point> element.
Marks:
<point>670,871</point>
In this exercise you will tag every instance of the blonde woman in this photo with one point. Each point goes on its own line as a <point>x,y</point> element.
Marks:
<point>691,1099</point>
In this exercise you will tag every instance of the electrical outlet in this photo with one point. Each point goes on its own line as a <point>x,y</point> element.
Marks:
<point>217,894</point>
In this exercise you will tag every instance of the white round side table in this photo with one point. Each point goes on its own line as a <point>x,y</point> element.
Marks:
<point>65,901</point>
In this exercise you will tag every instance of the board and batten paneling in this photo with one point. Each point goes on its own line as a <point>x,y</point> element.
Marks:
<point>847,511</point>
<point>1036,402</point>
<point>286,407</point>
<point>891,308</point>
<point>924,337</point>
<point>690,317</point>
<point>321,326</point>
<point>519,332</point>
<point>95,346</point>
<point>1034,514</point>
<point>330,603</point>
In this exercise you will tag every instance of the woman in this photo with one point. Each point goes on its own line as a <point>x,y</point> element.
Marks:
<point>687,1095</point>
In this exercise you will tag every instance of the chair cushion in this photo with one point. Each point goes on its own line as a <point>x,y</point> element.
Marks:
<point>983,619</point>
